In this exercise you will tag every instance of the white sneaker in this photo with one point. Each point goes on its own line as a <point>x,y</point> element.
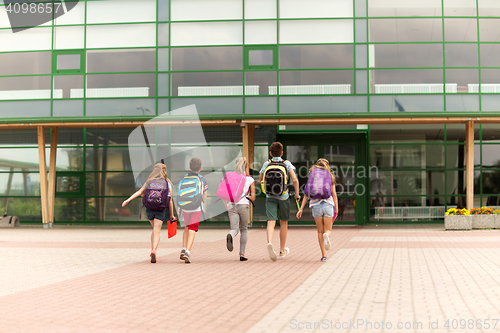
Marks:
<point>284,254</point>
<point>271,252</point>
<point>328,245</point>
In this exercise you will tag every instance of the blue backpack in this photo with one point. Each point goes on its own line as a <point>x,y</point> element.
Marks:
<point>319,184</point>
<point>190,193</point>
<point>156,195</point>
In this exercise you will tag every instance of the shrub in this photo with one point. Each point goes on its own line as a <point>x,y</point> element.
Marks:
<point>455,211</point>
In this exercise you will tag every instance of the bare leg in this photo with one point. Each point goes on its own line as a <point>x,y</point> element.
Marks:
<point>156,234</point>
<point>327,225</point>
<point>321,230</point>
<point>152,233</point>
<point>185,236</point>
<point>190,238</point>
<point>270,230</point>
<point>283,234</point>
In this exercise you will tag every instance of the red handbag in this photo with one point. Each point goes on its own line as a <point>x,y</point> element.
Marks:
<point>172,227</point>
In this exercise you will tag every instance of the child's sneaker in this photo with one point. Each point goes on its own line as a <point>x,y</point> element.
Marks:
<point>284,254</point>
<point>328,245</point>
<point>271,252</point>
<point>323,259</point>
<point>183,254</point>
<point>187,258</point>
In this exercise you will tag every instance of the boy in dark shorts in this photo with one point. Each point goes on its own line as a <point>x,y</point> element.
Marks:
<point>279,206</point>
<point>192,217</point>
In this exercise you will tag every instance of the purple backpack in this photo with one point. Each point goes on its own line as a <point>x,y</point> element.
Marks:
<point>156,196</point>
<point>319,184</point>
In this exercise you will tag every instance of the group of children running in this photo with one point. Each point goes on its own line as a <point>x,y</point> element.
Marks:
<point>274,177</point>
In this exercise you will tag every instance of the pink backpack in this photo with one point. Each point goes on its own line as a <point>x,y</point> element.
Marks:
<point>231,187</point>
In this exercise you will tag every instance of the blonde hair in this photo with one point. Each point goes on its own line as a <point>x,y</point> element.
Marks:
<point>323,163</point>
<point>241,165</point>
<point>159,172</point>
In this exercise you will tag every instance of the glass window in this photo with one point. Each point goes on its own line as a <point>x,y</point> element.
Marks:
<point>163,10</point>
<point>323,104</point>
<point>459,8</point>
<point>136,60</point>
<point>488,30</point>
<point>207,84</point>
<point>404,8</point>
<point>163,34</point>
<point>260,57</point>
<point>407,81</point>
<point>111,136</point>
<point>120,85</point>
<point>490,132</point>
<point>126,35</point>
<point>121,107</point>
<point>260,32</point>
<point>75,15</point>
<point>64,85</point>
<point>68,37</point>
<point>316,31</point>
<point>490,82</point>
<point>489,8</point>
<point>407,156</point>
<point>412,103</point>
<point>259,83</point>
<point>260,9</point>
<point>27,40</point>
<point>25,109</point>
<point>490,102</point>
<point>361,31</point>
<point>406,133</point>
<point>199,10</point>
<point>461,55</point>
<point>316,56</point>
<point>315,82</point>
<point>25,63</point>
<point>117,159</point>
<point>259,105</point>
<point>460,30</point>
<point>315,9</point>
<point>361,82</point>
<point>406,30</point>
<point>206,33</point>
<point>361,56</point>
<point>490,156</point>
<point>456,133</point>
<point>406,55</point>
<point>118,11</point>
<point>207,58</point>
<point>217,105</point>
<point>163,59</point>
<point>67,108</point>
<point>68,61</point>
<point>115,184</point>
<point>25,87</point>
<point>163,85</point>
<point>464,103</point>
<point>489,55</point>
<point>466,80</point>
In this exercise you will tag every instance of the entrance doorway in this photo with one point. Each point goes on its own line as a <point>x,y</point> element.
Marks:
<point>347,155</point>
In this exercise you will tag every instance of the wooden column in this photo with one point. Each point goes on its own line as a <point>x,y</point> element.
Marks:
<point>52,175</point>
<point>43,175</point>
<point>248,152</point>
<point>469,163</point>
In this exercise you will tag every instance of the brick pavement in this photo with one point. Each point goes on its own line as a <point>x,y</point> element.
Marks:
<point>100,280</point>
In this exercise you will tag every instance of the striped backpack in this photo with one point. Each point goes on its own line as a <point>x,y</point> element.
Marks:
<point>190,193</point>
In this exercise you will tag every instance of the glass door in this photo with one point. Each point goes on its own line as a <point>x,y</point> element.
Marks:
<point>346,153</point>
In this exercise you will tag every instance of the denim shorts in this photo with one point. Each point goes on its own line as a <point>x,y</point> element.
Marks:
<point>155,214</point>
<point>323,209</point>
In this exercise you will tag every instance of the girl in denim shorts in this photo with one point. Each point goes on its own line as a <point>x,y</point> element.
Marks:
<point>324,211</point>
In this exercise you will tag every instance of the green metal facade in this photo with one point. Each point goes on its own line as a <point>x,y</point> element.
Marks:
<point>234,59</point>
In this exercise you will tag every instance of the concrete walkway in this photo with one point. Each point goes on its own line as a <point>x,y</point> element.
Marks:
<point>377,279</point>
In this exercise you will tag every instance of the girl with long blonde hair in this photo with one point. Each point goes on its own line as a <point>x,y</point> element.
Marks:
<point>239,212</point>
<point>323,210</point>
<point>156,217</point>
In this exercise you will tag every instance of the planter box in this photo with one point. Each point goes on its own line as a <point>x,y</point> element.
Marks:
<point>497,221</point>
<point>486,221</point>
<point>457,222</point>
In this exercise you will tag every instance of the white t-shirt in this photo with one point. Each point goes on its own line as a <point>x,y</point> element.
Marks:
<point>314,202</point>
<point>244,201</point>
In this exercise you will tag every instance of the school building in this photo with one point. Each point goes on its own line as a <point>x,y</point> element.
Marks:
<point>402,97</point>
